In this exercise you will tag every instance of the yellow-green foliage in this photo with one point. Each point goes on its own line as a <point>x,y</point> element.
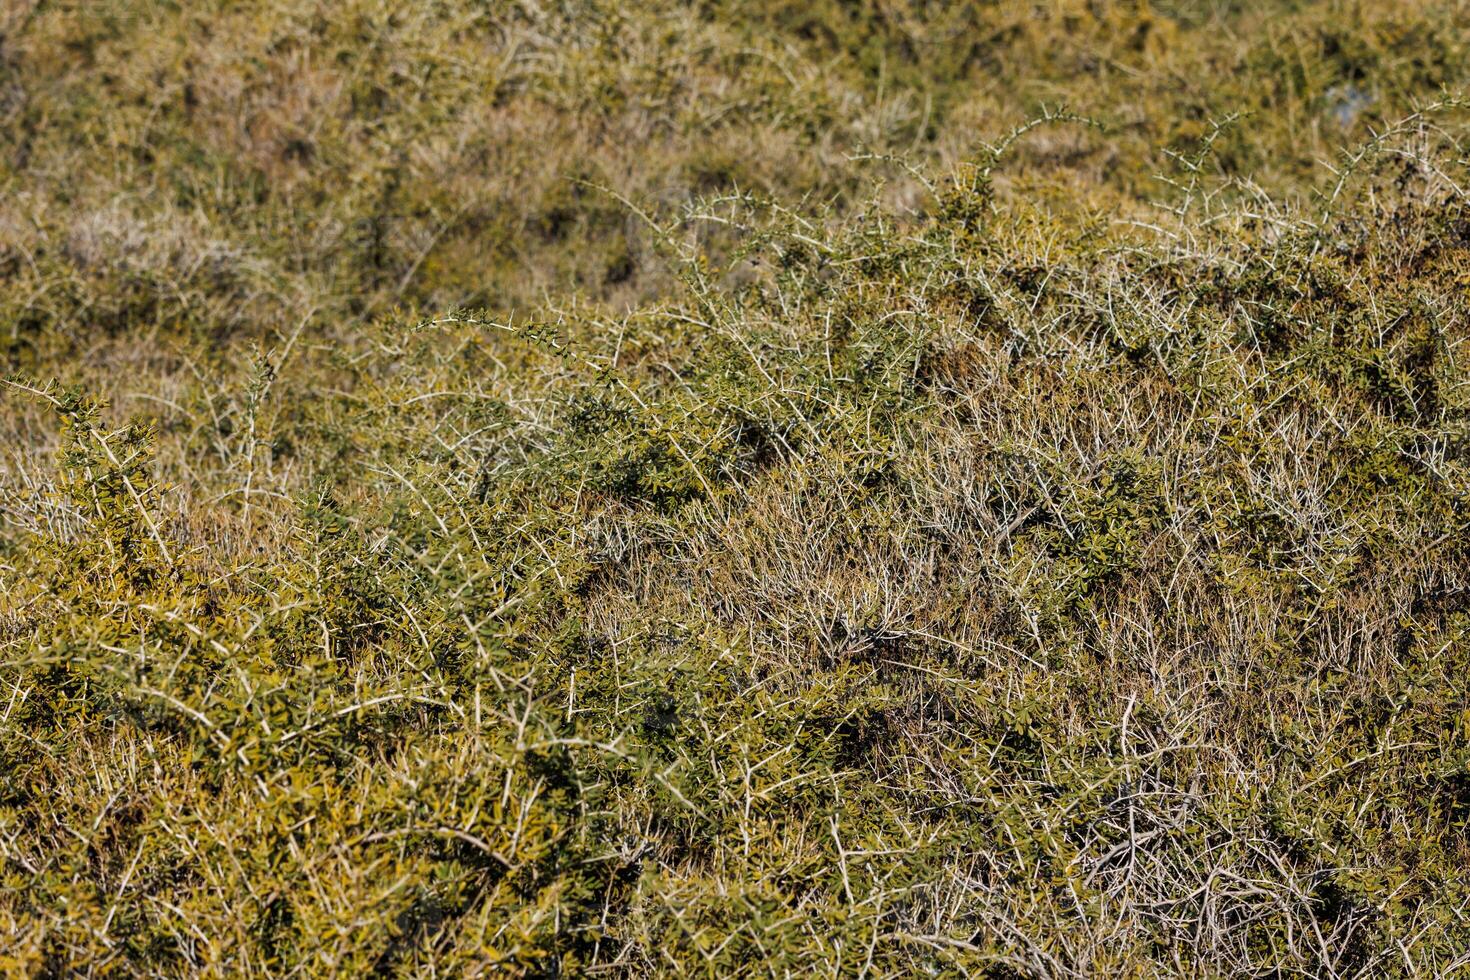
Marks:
<point>734,488</point>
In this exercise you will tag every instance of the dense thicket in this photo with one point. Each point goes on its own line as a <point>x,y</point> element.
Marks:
<point>770,488</point>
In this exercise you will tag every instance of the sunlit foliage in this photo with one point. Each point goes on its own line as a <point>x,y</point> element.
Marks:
<point>734,488</point>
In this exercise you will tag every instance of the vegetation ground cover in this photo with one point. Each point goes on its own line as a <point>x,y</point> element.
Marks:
<point>734,488</point>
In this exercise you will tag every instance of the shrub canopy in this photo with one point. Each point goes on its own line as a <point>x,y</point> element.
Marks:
<point>734,488</point>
